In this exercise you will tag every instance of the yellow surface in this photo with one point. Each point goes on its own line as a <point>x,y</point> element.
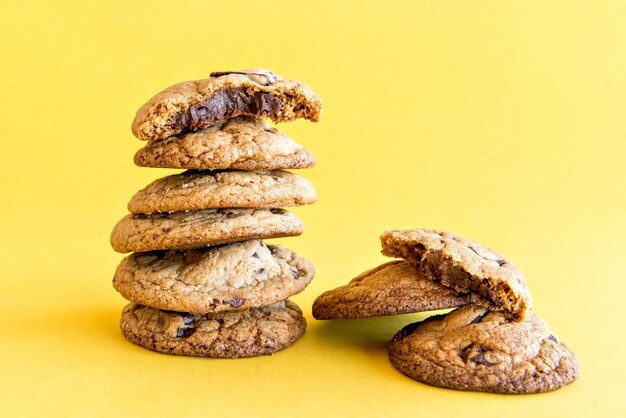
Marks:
<point>503,121</point>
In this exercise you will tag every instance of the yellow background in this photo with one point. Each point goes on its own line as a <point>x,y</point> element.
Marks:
<point>503,121</point>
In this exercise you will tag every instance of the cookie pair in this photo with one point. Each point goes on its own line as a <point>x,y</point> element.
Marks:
<point>493,342</point>
<point>201,280</point>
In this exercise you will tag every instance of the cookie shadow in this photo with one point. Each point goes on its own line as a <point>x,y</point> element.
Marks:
<point>369,334</point>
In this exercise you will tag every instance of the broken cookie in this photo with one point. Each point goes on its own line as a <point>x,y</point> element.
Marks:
<point>464,266</point>
<point>193,105</point>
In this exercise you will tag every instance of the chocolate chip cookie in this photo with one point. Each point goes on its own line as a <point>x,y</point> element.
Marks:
<point>242,143</point>
<point>236,276</point>
<point>396,287</point>
<point>201,281</point>
<point>464,266</point>
<point>194,105</point>
<point>196,190</point>
<point>231,334</point>
<point>201,228</point>
<point>474,349</point>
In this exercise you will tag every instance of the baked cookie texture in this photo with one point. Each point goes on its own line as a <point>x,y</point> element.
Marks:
<point>201,228</point>
<point>196,190</point>
<point>464,266</point>
<point>230,334</point>
<point>194,105</point>
<point>242,143</point>
<point>215,279</point>
<point>475,349</point>
<point>396,287</point>
<point>200,280</point>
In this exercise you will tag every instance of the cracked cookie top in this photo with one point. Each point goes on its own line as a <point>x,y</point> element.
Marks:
<point>193,105</point>
<point>474,349</point>
<point>396,287</point>
<point>214,279</point>
<point>463,265</point>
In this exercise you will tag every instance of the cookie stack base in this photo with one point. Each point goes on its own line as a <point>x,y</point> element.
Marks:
<point>230,334</point>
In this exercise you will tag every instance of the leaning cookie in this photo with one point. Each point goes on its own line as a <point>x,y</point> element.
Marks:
<point>196,190</point>
<point>242,143</point>
<point>477,350</point>
<point>464,266</point>
<point>201,228</point>
<point>236,276</point>
<point>193,105</point>
<point>396,287</point>
<point>232,334</point>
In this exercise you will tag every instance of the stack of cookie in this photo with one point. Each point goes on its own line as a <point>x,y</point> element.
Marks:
<point>200,280</point>
<point>492,343</point>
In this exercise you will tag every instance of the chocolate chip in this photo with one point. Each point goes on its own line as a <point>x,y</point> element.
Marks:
<point>480,359</point>
<point>473,250</point>
<point>262,102</point>
<point>500,262</point>
<point>184,332</point>
<point>229,214</point>
<point>216,74</point>
<point>480,317</point>
<point>296,273</point>
<point>236,302</point>
<point>261,270</point>
<point>256,255</point>
<point>552,337</point>
<point>465,352</point>
<point>188,319</point>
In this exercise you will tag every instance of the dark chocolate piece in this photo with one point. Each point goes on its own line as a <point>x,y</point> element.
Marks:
<point>236,302</point>
<point>226,104</point>
<point>184,332</point>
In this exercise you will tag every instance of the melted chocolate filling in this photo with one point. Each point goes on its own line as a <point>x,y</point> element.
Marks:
<point>226,104</point>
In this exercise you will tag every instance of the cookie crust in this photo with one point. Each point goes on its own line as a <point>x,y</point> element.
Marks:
<point>474,349</point>
<point>463,265</point>
<point>197,190</point>
<point>233,334</point>
<point>396,287</point>
<point>236,276</point>
<point>197,104</point>
<point>201,228</point>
